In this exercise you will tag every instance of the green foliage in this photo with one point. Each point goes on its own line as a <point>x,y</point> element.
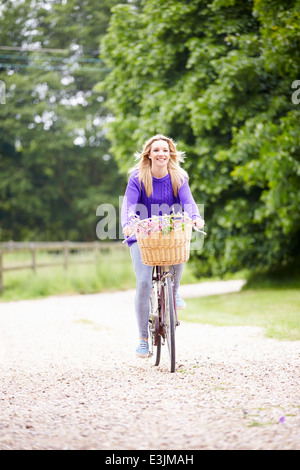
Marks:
<point>55,166</point>
<point>216,76</point>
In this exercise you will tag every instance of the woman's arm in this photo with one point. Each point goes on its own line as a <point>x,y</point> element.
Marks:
<point>189,206</point>
<point>131,198</point>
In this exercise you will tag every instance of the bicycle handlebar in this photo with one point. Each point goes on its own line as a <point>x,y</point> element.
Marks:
<point>198,229</point>
<point>193,226</point>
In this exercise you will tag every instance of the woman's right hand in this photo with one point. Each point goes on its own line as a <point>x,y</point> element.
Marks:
<point>127,231</point>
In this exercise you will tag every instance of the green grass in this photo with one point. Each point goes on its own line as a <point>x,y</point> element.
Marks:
<point>112,271</point>
<point>275,310</point>
<point>270,302</point>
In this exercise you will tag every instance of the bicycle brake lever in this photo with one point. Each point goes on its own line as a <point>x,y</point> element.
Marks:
<point>198,230</point>
<point>128,237</point>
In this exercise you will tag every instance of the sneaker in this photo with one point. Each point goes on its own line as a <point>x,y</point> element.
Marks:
<point>143,349</point>
<point>180,303</point>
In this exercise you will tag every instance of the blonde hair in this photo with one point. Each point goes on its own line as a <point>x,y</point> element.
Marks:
<point>143,165</point>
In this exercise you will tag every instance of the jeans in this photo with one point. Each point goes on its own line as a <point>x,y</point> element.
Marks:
<point>143,275</point>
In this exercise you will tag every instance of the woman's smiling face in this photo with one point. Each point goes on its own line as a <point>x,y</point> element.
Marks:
<point>159,155</point>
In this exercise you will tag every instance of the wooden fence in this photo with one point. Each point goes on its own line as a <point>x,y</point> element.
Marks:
<point>65,247</point>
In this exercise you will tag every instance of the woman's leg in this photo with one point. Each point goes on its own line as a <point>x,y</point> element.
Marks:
<point>178,269</point>
<point>143,290</point>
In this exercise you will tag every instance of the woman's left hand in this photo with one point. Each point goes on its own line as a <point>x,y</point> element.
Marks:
<point>127,231</point>
<point>199,223</point>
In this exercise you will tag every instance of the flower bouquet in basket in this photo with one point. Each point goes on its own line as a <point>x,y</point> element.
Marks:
<point>163,239</point>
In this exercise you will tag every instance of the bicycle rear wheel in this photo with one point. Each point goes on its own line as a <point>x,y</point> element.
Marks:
<point>169,322</point>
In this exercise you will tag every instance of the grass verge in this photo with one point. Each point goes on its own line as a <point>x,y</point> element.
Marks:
<point>111,271</point>
<point>272,303</point>
<point>275,310</point>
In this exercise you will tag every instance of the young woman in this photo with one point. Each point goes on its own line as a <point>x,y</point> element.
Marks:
<point>156,185</point>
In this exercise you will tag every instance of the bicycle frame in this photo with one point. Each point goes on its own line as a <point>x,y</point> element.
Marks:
<point>164,272</point>
<point>163,285</point>
<point>159,319</point>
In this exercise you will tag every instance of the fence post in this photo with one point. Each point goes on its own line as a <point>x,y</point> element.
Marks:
<point>96,251</point>
<point>66,254</point>
<point>32,247</point>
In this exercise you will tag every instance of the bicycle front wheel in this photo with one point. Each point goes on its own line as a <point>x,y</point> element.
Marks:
<point>154,340</point>
<point>169,322</point>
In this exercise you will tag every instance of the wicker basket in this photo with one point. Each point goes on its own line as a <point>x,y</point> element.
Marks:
<point>159,249</point>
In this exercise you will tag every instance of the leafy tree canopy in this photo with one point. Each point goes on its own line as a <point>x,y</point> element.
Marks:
<point>217,77</point>
<point>55,165</point>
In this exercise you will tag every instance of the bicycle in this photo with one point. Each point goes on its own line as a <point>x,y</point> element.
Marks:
<point>163,318</point>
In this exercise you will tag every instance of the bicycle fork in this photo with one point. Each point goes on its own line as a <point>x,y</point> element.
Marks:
<point>164,277</point>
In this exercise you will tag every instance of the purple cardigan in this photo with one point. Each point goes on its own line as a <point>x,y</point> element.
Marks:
<point>162,200</point>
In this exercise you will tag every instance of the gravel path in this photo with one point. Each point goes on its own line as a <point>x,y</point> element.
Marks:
<point>70,380</point>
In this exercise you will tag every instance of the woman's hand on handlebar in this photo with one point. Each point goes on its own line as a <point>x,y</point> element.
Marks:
<point>199,223</point>
<point>127,231</point>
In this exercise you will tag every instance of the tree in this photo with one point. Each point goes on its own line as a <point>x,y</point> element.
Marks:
<point>216,76</point>
<point>55,166</point>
